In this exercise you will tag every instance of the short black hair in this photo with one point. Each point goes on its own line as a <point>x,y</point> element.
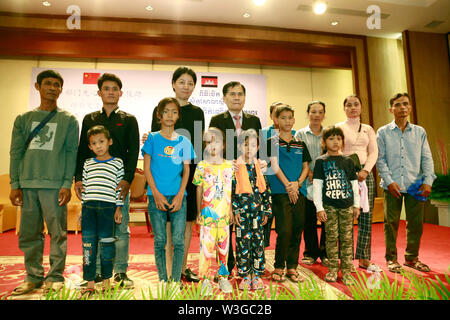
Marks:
<point>273,105</point>
<point>108,77</point>
<point>399,95</point>
<point>182,70</point>
<point>329,132</point>
<point>49,74</point>
<point>232,84</point>
<point>332,131</point>
<point>284,107</point>
<point>313,103</point>
<point>99,129</point>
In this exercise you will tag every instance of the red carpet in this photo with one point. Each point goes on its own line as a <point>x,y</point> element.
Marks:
<point>435,249</point>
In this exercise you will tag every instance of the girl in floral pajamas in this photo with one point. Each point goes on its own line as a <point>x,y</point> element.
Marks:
<point>251,207</point>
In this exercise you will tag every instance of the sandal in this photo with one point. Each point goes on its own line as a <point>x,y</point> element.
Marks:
<point>308,261</point>
<point>293,275</point>
<point>86,293</point>
<point>331,276</point>
<point>278,276</point>
<point>347,278</point>
<point>394,266</point>
<point>53,287</point>
<point>371,267</point>
<point>416,264</point>
<point>25,287</point>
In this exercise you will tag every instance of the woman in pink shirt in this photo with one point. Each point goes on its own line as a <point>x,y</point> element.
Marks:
<point>361,139</point>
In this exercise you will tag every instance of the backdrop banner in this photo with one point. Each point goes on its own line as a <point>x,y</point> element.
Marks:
<point>142,90</point>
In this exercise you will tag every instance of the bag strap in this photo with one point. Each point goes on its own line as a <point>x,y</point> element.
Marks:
<point>39,127</point>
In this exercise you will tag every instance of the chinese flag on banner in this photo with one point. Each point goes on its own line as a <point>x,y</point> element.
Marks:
<point>90,77</point>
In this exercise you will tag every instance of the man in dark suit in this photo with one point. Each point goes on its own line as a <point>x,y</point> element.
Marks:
<point>231,123</point>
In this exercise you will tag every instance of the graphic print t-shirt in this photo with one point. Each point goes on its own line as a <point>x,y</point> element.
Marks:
<point>216,201</point>
<point>336,173</point>
<point>167,157</point>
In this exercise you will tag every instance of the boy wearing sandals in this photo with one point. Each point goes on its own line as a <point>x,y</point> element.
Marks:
<point>336,197</point>
<point>404,160</point>
<point>289,159</point>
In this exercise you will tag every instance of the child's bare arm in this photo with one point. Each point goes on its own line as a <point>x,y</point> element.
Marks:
<point>291,189</point>
<point>160,201</point>
<point>118,215</point>
<point>178,199</point>
<point>198,198</point>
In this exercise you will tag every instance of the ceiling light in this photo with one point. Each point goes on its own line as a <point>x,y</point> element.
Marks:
<point>246,15</point>
<point>319,7</point>
<point>149,8</point>
<point>46,3</point>
<point>334,23</point>
<point>259,2</point>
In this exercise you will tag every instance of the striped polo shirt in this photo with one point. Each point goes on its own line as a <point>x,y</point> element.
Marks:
<point>100,180</point>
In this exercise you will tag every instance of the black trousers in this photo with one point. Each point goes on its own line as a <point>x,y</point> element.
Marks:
<point>231,259</point>
<point>289,224</point>
<point>313,248</point>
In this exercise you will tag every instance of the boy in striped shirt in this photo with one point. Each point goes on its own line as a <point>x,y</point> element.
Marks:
<point>101,207</point>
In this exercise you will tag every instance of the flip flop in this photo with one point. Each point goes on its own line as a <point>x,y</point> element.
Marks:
<point>25,287</point>
<point>294,276</point>
<point>280,275</point>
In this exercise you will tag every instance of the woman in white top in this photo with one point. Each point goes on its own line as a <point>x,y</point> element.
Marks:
<point>360,139</point>
<point>312,135</point>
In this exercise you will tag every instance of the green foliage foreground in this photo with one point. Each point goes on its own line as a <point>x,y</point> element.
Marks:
<point>372,287</point>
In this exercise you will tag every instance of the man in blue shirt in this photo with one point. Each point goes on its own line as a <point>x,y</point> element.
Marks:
<point>404,158</point>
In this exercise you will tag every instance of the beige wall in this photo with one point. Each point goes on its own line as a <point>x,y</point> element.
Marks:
<point>295,86</point>
<point>431,74</point>
<point>387,76</point>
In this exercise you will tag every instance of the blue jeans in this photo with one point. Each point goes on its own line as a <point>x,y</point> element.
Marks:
<point>97,227</point>
<point>122,234</point>
<point>158,220</point>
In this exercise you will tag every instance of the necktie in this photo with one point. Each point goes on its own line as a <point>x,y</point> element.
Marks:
<point>238,124</point>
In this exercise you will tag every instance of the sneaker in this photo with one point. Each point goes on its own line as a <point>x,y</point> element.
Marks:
<point>347,278</point>
<point>207,289</point>
<point>225,285</point>
<point>246,283</point>
<point>257,283</point>
<point>124,281</point>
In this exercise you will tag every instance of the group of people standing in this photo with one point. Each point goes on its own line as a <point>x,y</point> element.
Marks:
<point>237,175</point>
